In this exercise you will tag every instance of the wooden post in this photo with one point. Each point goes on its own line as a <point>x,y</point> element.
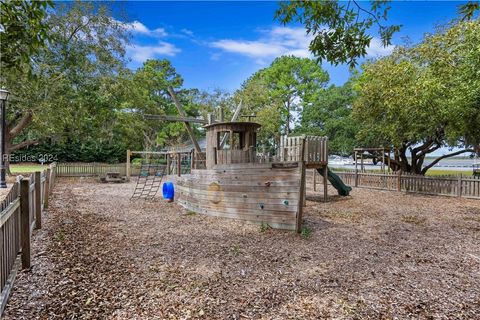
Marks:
<point>314,179</point>
<point>301,166</point>
<point>325,183</point>
<point>128,172</point>
<point>192,160</point>
<point>399,180</point>
<point>25,222</point>
<point>168,164</point>
<point>356,169</point>
<point>222,114</point>
<point>47,188</point>
<point>179,164</point>
<point>459,186</point>
<point>38,200</point>
<point>305,190</point>
<point>215,155</point>
<point>187,125</point>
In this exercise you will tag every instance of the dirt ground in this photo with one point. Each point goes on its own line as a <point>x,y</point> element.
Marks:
<point>373,255</point>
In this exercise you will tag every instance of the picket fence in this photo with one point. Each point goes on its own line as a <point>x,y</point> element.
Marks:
<point>457,186</point>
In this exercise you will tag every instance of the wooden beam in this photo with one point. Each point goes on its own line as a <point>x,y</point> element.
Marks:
<point>301,164</point>
<point>47,188</point>
<point>38,200</point>
<point>174,118</point>
<point>187,125</point>
<point>234,118</point>
<point>129,165</point>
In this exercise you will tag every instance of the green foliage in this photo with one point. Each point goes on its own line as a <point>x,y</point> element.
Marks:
<point>73,151</point>
<point>149,95</point>
<point>329,114</point>
<point>468,10</point>
<point>274,93</point>
<point>306,232</point>
<point>423,98</point>
<point>264,227</point>
<point>235,250</point>
<point>75,86</point>
<point>340,29</point>
<point>24,31</point>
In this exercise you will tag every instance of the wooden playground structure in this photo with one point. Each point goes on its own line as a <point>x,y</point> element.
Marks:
<point>238,181</point>
<point>233,178</point>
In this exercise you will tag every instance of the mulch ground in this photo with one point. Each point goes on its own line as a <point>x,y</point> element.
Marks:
<point>375,254</point>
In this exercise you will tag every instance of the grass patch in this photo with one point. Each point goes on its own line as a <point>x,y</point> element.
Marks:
<point>235,250</point>
<point>190,213</point>
<point>19,168</point>
<point>264,227</point>
<point>59,236</point>
<point>306,232</point>
<point>448,172</point>
<point>413,219</point>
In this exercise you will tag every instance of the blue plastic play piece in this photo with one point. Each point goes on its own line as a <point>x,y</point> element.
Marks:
<point>168,190</point>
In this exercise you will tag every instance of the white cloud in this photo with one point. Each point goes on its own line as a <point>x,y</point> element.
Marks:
<point>279,41</point>
<point>140,28</point>
<point>376,49</point>
<point>249,48</point>
<point>140,53</point>
<point>187,32</point>
<point>272,43</point>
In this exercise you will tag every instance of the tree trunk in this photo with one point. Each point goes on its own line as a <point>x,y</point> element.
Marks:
<point>287,129</point>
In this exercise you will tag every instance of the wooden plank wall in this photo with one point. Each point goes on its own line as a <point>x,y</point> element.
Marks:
<point>456,186</point>
<point>255,193</point>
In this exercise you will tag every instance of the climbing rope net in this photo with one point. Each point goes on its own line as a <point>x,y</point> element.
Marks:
<point>149,180</point>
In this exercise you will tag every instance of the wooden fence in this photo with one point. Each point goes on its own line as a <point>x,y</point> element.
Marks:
<point>457,186</point>
<point>21,212</point>
<point>93,169</point>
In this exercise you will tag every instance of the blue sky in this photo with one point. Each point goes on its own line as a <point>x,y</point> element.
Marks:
<point>220,44</point>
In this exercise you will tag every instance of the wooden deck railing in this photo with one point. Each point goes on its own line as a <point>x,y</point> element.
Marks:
<point>315,150</point>
<point>21,212</point>
<point>456,186</point>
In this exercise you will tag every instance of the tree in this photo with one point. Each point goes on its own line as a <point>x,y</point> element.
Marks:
<point>150,83</point>
<point>423,98</point>
<point>23,31</point>
<point>340,29</point>
<point>276,93</point>
<point>71,89</point>
<point>329,114</point>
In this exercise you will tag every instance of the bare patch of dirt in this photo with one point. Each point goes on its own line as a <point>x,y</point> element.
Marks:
<point>375,254</point>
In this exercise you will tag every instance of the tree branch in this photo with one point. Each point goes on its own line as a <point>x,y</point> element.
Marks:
<point>368,12</point>
<point>23,144</point>
<point>434,162</point>
<point>25,121</point>
<point>424,146</point>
